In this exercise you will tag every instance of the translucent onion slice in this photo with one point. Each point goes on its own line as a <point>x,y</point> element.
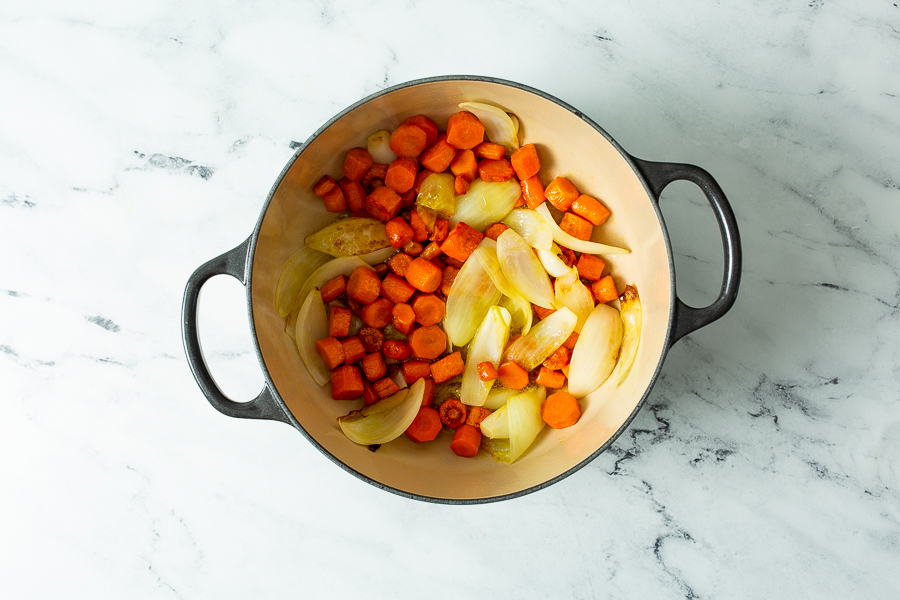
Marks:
<point>437,193</point>
<point>379,146</point>
<point>574,295</point>
<point>293,275</point>
<point>531,226</point>
<point>472,294</point>
<point>523,411</point>
<point>312,325</point>
<point>533,348</point>
<point>596,351</point>
<point>523,313</point>
<point>523,270</point>
<point>631,319</point>
<point>353,236</point>
<point>378,256</point>
<point>499,127</point>
<point>496,424</point>
<point>336,266</point>
<point>573,243</point>
<point>385,420</point>
<point>498,397</point>
<point>486,346</point>
<point>486,203</point>
<point>551,261</point>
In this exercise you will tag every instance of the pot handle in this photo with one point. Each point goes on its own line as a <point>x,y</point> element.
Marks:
<point>264,406</point>
<point>658,175</point>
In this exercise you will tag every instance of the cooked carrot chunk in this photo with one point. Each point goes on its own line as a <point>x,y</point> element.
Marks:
<point>525,161</point>
<point>461,242</point>
<point>356,162</point>
<point>399,263</point>
<point>550,378</point>
<point>398,231</point>
<point>576,226</point>
<point>513,376</point>
<point>378,313</point>
<point>560,193</point>
<point>441,229</point>
<point>401,174</point>
<point>324,185</point>
<point>372,339</point>
<point>420,230</point>
<point>448,367</point>
<point>373,366</point>
<point>413,370</point>
<point>477,414</point>
<point>558,359</point>
<point>466,441</point>
<point>560,410</point>
<point>386,387</point>
<point>489,150</point>
<point>571,341</point>
<point>428,342</point>
<point>590,208</point>
<point>429,309</point>
<point>333,288</point>
<point>590,266</point>
<point>453,413</point>
<point>495,230</point>
<point>403,317</point>
<point>437,157</point>
<point>423,275</point>
<point>331,351</point>
<point>396,350</point>
<point>604,290</point>
<point>396,289</point>
<point>383,203</point>
<point>363,285</point>
<point>533,191</point>
<point>487,371</point>
<point>354,193</point>
<point>426,124</point>
<point>465,164</point>
<point>448,276</point>
<point>408,140</point>
<point>353,350</point>
<point>334,200</point>
<point>495,170</point>
<point>346,383</point>
<point>464,131</point>
<point>339,321</point>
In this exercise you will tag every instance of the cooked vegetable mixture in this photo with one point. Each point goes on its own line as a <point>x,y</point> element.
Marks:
<point>447,294</point>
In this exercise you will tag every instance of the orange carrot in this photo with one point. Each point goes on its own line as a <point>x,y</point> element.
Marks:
<point>466,440</point>
<point>512,376</point>
<point>477,414</point>
<point>381,269</point>
<point>448,367</point>
<point>386,387</point>
<point>590,208</point>
<point>408,141</point>
<point>363,285</point>
<point>370,396</point>
<point>438,156</point>
<point>408,198</point>
<point>356,163</point>
<point>465,165</point>
<point>428,396</point>
<point>378,313</point>
<point>525,161</point>
<point>333,288</point>
<point>558,359</point>
<point>414,370</point>
<point>373,366</point>
<point>413,249</point>
<point>334,200</point>
<point>401,175</point>
<point>354,193</point>
<point>542,312</point>
<point>590,266</point>
<point>428,342</point>
<point>487,371</point>
<point>461,242</point>
<point>398,231</point>
<point>521,201</point>
<point>431,251</point>
<point>604,290</point>
<point>353,350</point>
<point>453,413</point>
<point>429,309</point>
<point>346,383</point>
<point>376,172</point>
<point>495,170</point>
<point>403,318</point>
<point>383,203</point>
<point>396,289</point>
<point>533,190</point>
<point>550,378</point>
<point>420,229</point>
<point>399,263</point>
<point>495,230</point>
<point>331,351</point>
<point>568,256</point>
<point>372,339</point>
<point>427,125</point>
<point>460,185</point>
<point>396,350</point>
<point>425,427</point>
<point>576,226</point>
<point>489,150</point>
<point>560,193</point>
<point>441,228</point>
<point>464,131</point>
<point>448,276</point>
<point>560,410</point>
<point>339,321</point>
<point>571,341</point>
<point>324,185</point>
<point>423,275</point>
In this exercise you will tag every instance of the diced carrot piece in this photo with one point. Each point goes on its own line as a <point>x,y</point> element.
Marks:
<point>590,266</point>
<point>353,350</point>
<point>560,410</point>
<point>427,125</point>
<point>413,370</point>
<point>399,263</point>
<point>423,275</point>
<point>428,396</point>
<point>560,193</point>
<point>333,288</point>
<point>431,251</point>
<point>372,339</point>
<point>425,427</point>
<point>363,285</point>
<point>429,309</point>
<point>398,231</point>
<point>373,366</point>
<point>324,185</point>
<point>512,376</point>
<point>576,226</point>
<point>403,317</point>
<point>448,367</point>
<point>377,172</point>
<point>461,241</point>
<point>558,359</point>
<point>571,341</point>
<point>408,198</point>
<point>386,387</point>
<point>465,164</point>
<point>453,413</point>
<point>441,229</point>
<point>346,383</point>
<point>401,174</point>
<point>339,321</point>
<point>525,161</point>
<point>408,141</point>
<point>448,276</point>
<point>460,185</point>
<point>378,313</point>
<point>542,312</point>
<point>383,203</point>
<point>396,289</point>
<point>495,170</point>
<point>331,351</point>
<point>370,396</point>
<point>334,200</point>
<point>521,201</point>
<point>487,371</point>
<point>356,162</point>
<point>495,230</point>
<point>413,249</point>
<point>420,230</point>
<point>354,194</point>
<point>489,150</point>
<point>464,131</point>
<point>420,177</point>
<point>550,378</point>
<point>604,290</point>
<point>438,156</point>
<point>590,208</point>
<point>466,441</point>
<point>477,414</point>
<point>568,256</point>
<point>533,190</point>
<point>381,269</point>
<point>396,350</point>
<point>428,342</point>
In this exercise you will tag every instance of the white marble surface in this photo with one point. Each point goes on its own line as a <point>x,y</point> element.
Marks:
<point>138,140</point>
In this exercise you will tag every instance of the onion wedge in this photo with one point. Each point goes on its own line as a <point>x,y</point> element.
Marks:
<point>523,269</point>
<point>499,127</point>
<point>486,346</point>
<point>573,243</point>
<point>318,278</point>
<point>596,351</point>
<point>574,295</point>
<point>533,348</point>
<point>379,146</point>
<point>472,294</point>
<point>631,319</point>
<point>486,203</point>
<point>293,275</point>
<point>524,313</point>
<point>312,325</point>
<point>531,226</point>
<point>551,261</point>
<point>385,420</point>
<point>496,424</point>
<point>353,236</point>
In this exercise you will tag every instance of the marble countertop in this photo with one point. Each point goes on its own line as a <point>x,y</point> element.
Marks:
<point>138,140</point>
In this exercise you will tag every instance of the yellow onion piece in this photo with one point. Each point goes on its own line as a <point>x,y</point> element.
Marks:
<point>498,397</point>
<point>472,294</point>
<point>334,267</point>
<point>486,203</point>
<point>572,242</point>
<point>533,348</point>
<point>378,256</point>
<point>531,226</point>
<point>379,146</point>
<point>631,315</point>
<point>437,193</point>
<point>551,261</point>
<point>596,351</point>
<point>523,411</point>
<point>385,420</point>
<point>486,346</point>
<point>496,424</point>
<point>523,270</point>
<point>499,127</point>
<point>574,295</point>
<point>522,312</point>
<point>312,325</point>
<point>353,236</point>
<point>293,276</point>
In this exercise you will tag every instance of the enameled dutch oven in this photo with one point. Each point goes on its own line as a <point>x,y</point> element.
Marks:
<point>570,144</point>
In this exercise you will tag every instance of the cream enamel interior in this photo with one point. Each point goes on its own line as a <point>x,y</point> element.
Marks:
<point>568,146</point>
